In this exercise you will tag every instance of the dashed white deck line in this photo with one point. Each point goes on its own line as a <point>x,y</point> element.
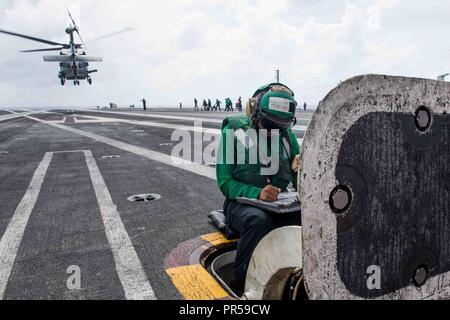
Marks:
<point>128,266</point>
<point>146,153</point>
<point>11,239</point>
<point>207,120</point>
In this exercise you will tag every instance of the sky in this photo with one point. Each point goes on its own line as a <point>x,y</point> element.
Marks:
<point>181,49</point>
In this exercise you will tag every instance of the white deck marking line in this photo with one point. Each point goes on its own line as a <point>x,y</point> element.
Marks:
<point>97,120</point>
<point>14,115</point>
<point>146,153</point>
<point>11,239</point>
<point>160,125</point>
<point>14,121</point>
<point>56,114</point>
<point>68,151</point>
<point>181,116</point>
<point>210,120</point>
<point>165,125</point>
<point>128,266</point>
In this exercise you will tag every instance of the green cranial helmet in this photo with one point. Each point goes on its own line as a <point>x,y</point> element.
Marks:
<point>275,106</point>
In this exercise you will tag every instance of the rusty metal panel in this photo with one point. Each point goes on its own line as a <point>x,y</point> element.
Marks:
<point>375,190</point>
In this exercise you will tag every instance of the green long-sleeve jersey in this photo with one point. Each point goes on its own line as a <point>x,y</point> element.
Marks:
<point>232,185</point>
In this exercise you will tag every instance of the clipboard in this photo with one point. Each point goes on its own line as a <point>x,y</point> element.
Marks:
<point>287,202</point>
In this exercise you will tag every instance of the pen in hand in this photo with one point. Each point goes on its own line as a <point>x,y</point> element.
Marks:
<point>269,193</point>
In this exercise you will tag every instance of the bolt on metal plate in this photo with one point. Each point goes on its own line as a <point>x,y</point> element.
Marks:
<point>340,199</point>
<point>144,197</point>
<point>423,119</point>
<point>420,276</point>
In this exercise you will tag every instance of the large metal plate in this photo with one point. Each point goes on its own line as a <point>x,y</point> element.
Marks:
<point>386,233</point>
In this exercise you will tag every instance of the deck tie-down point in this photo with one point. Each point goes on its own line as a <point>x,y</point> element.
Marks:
<point>144,197</point>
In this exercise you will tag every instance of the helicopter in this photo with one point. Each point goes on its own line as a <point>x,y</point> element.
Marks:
<point>73,61</point>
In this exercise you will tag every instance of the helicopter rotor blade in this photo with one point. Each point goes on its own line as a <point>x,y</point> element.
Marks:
<point>32,38</point>
<point>76,27</point>
<point>111,35</point>
<point>43,50</point>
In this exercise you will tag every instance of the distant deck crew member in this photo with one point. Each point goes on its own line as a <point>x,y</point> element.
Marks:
<point>196,105</point>
<point>229,105</point>
<point>218,105</point>
<point>210,105</point>
<point>144,104</point>
<point>273,109</point>
<point>239,104</point>
<point>205,105</point>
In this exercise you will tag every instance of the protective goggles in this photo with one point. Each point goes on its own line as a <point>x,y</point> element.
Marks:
<point>270,122</point>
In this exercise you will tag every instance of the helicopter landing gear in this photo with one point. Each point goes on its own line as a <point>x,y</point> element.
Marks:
<point>63,81</point>
<point>89,80</point>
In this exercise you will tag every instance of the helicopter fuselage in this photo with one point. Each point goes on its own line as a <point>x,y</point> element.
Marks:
<point>74,66</point>
<point>75,70</point>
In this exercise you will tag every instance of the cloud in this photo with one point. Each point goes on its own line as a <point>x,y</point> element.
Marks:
<point>185,48</point>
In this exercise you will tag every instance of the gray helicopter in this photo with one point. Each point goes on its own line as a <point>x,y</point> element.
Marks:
<point>73,61</point>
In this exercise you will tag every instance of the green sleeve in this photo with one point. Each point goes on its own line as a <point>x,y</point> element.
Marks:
<point>296,149</point>
<point>228,185</point>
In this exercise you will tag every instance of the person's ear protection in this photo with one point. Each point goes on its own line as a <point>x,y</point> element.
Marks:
<point>252,104</point>
<point>252,108</point>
